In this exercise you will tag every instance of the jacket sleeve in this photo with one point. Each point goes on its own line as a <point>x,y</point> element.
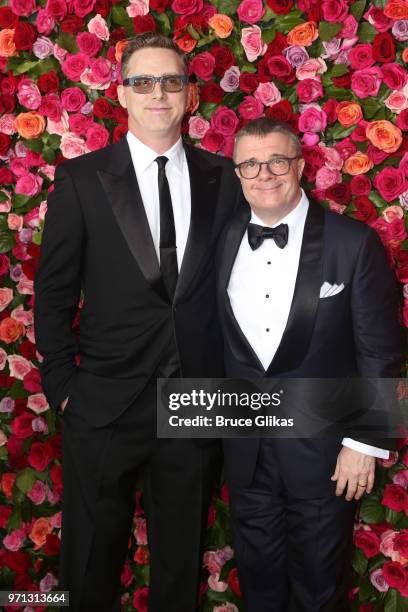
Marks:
<point>58,287</point>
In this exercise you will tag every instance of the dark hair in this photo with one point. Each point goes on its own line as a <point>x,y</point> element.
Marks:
<point>150,40</point>
<point>263,126</point>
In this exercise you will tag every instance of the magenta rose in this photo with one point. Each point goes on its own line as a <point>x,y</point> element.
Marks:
<point>74,65</point>
<point>313,119</point>
<point>28,94</point>
<point>32,381</point>
<point>57,9</point>
<point>202,65</point>
<point>251,11</point>
<point>309,90</point>
<point>376,17</point>
<point>29,184</point>
<point>394,75</point>
<point>73,99</point>
<point>250,108</point>
<point>140,599</point>
<point>361,56</point>
<point>51,107</point>
<point>97,137</point>
<point>335,11</point>
<point>390,183</point>
<point>224,121</point>
<point>187,7</point>
<point>83,7</point>
<point>376,155</point>
<point>37,493</point>
<point>212,141</point>
<point>44,22</point>
<point>395,575</point>
<point>79,124</point>
<point>22,8</point>
<point>368,542</point>
<point>360,185</point>
<point>366,82</point>
<point>88,43</point>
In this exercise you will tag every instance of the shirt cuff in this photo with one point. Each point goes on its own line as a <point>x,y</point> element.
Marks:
<point>367,449</point>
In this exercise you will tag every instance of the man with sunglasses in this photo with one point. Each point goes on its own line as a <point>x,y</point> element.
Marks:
<point>134,227</point>
<point>303,293</point>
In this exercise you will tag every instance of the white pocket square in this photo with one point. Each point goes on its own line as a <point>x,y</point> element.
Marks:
<point>328,289</point>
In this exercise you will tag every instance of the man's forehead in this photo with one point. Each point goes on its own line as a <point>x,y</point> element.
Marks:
<point>276,143</point>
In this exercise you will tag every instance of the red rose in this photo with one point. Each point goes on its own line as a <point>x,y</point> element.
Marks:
<point>383,48</point>
<point>280,68</point>
<point>57,9</point>
<point>312,8</point>
<point>30,267</point>
<point>212,141</point>
<point>368,542</point>
<point>7,482</point>
<point>360,185</point>
<point>158,5</point>
<point>117,34</point>
<point>21,425</point>
<point>329,108</point>
<point>5,142</point>
<point>27,349</point>
<point>17,459</point>
<point>18,561</point>
<point>343,81</point>
<point>187,7</point>
<point>8,20</point>
<point>233,582</point>
<point>140,599</point>
<point>144,23</point>
<point>224,59</point>
<point>263,71</point>
<point>202,65</point>
<point>390,182</point>
<point>395,575</point>
<point>72,24</point>
<point>402,119</point>
<point>211,92</point>
<point>102,7</point>
<point>40,455</point>
<point>112,91</point>
<point>119,131</point>
<point>56,477</point>
<point>314,158</point>
<point>52,545</point>
<point>25,35</point>
<point>401,543</point>
<point>32,381</point>
<point>395,497</point>
<point>309,90</point>
<point>376,155</point>
<point>119,114</point>
<point>7,103</point>
<point>5,512</point>
<point>281,111</point>
<point>248,82</point>
<point>48,82</point>
<point>280,7</point>
<point>402,266</point>
<point>394,75</point>
<point>102,108</point>
<point>8,85</point>
<point>340,193</point>
<point>277,45</point>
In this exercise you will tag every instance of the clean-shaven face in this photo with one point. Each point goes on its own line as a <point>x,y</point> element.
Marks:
<point>156,115</point>
<point>270,196</point>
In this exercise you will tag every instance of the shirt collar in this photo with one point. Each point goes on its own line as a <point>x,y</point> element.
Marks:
<point>143,156</point>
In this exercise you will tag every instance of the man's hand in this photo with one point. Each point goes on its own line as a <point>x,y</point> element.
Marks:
<point>64,403</point>
<point>355,470</point>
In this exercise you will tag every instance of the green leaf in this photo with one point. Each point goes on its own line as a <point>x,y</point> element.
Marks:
<point>286,23</point>
<point>44,66</point>
<point>357,9</point>
<point>338,131</point>
<point>68,42</point>
<point>366,32</point>
<point>370,106</point>
<point>391,516</point>
<point>327,30</point>
<point>207,108</point>
<point>25,480</point>
<point>7,241</point>
<point>20,200</point>
<point>34,144</point>
<point>366,590</point>
<point>393,602</point>
<point>120,17</point>
<point>339,70</point>
<point>53,141</point>
<point>19,67</point>
<point>359,562</point>
<point>3,453</point>
<point>49,155</point>
<point>37,236</point>
<point>164,22</point>
<point>376,199</point>
<point>3,197</point>
<point>227,7</point>
<point>14,521</point>
<point>268,35</point>
<point>371,510</point>
<point>248,68</point>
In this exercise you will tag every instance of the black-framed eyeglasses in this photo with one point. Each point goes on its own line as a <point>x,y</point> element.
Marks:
<point>278,166</point>
<point>144,84</point>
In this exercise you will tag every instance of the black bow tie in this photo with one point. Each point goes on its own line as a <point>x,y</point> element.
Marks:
<point>258,233</point>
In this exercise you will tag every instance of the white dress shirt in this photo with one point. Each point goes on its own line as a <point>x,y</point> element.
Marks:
<point>263,282</point>
<point>146,169</point>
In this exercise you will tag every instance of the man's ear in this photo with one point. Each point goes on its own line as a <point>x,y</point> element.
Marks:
<point>121,96</point>
<point>301,166</point>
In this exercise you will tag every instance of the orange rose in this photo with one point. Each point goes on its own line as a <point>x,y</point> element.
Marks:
<point>7,482</point>
<point>349,113</point>
<point>30,125</point>
<point>11,330</point>
<point>7,46</point>
<point>396,9</point>
<point>405,55</point>
<point>384,135</point>
<point>303,35</point>
<point>119,49</point>
<point>142,555</point>
<point>221,24</point>
<point>359,163</point>
<point>193,99</point>
<point>40,530</point>
<point>186,43</point>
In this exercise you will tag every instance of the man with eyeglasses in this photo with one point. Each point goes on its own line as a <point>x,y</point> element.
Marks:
<point>134,227</point>
<point>303,293</point>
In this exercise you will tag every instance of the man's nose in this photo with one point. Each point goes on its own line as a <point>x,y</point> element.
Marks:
<point>158,90</point>
<point>264,173</point>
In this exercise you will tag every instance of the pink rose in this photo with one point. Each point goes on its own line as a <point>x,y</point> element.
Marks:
<point>224,121</point>
<point>311,68</point>
<point>97,137</point>
<point>250,108</point>
<point>326,177</point>
<point>99,73</point>
<point>58,127</point>
<point>335,11</point>
<point>361,56</point>
<point>28,94</point>
<point>394,75</point>
<point>3,359</point>
<point>83,7</point>
<point>79,123</point>
<point>378,581</point>
<point>202,65</point>
<point>72,146</point>
<point>59,53</point>
<point>56,9</point>
<point>8,124</point>
<point>88,43</point>
<point>309,90</point>
<point>14,540</point>
<point>73,99</point>
<point>18,166</point>
<point>251,11</point>
<point>74,65</point>
<point>25,286</point>
<point>310,139</point>
<point>366,82</point>
<point>137,8</point>
<point>29,184</point>
<point>390,183</point>
<point>6,297</point>
<point>401,478</point>
<point>332,158</point>
<point>267,93</point>
<point>393,212</point>
<point>37,403</point>
<point>312,119</point>
<point>22,8</point>
<point>403,165</point>
<point>389,232</point>
<point>43,47</point>
<point>212,141</point>
<point>360,185</point>
<point>44,22</point>
<point>387,545</point>
<point>216,584</point>
<point>252,43</point>
<point>227,607</point>
<point>14,222</point>
<point>397,101</point>
<point>37,493</point>
<point>350,27</point>
<point>140,531</point>
<point>230,80</point>
<point>98,26</point>
<point>19,366</point>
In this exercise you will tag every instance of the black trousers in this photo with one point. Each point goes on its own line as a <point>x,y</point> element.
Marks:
<point>101,467</point>
<point>293,554</point>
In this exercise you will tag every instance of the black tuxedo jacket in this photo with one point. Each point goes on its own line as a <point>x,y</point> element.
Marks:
<point>97,239</point>
<point>355,333</point>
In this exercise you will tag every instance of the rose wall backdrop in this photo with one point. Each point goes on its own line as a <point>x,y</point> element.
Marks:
<point>337,72</point>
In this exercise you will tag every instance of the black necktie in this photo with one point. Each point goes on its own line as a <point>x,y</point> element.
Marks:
<point>258,233</point>
<point>168,253</point>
